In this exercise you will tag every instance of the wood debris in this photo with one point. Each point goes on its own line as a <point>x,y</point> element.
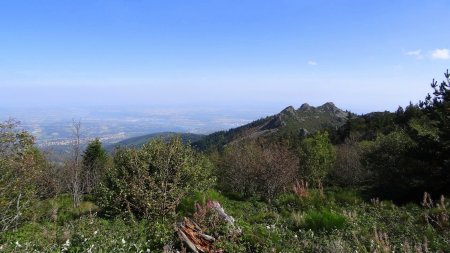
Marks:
<point>192,236</point>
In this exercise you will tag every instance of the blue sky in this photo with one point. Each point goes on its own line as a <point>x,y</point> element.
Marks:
<point>362,55</point>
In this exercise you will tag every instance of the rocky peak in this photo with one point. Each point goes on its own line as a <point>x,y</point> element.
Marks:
<point>304,107</point>
<point>331,108</point>
<point>288,111</point>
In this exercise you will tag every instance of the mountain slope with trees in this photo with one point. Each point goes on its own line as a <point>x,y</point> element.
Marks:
<point>289,122</point>
<point>138,141</point>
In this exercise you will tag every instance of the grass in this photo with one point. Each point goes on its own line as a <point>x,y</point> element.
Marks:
<point>323,220</point>
<point>339,221</point>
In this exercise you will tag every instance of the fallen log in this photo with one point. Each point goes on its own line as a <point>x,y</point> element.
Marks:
<point>192,236</point>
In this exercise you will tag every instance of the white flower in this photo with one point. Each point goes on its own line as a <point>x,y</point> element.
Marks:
<point>95,232</point>
<point>90,249</point>
<point>268,227</point>
<point>66,245</point>
<point>295,236</point>
<point>18,244</point>
<point>123,241</point>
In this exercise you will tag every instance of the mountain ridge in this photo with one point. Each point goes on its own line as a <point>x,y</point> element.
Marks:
<point>305,119</point>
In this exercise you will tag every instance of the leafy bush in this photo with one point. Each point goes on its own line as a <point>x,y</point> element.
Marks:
<point>396,175</point>
<point>150,182</point>
<point>21,164</point>
<point>316,157</point>
<point>258,170</point>
<point>347,170</point>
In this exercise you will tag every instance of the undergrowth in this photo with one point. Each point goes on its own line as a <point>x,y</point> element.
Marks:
<point>337,221</point>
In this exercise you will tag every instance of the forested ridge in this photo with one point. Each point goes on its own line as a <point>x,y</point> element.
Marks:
<point>312,179</point>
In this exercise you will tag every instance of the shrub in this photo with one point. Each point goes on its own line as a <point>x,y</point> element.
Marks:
<point>323,220</point>
<point>21,164</point>
<point>396,175</point>
<point>316,157</point>
<point>347,170</point>
<point>151,182</point>
<point>257,169</point>
<point>345,196</point>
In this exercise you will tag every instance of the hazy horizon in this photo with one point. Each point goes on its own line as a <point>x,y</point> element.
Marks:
<point>364,56</point>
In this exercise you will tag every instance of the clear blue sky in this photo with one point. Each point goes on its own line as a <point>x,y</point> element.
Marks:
<point>362,55</point>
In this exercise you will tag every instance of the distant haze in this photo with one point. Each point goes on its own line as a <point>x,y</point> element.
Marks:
<point>225,55</point>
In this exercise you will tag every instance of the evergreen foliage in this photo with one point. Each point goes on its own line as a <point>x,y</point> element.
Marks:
<point>95,160</point>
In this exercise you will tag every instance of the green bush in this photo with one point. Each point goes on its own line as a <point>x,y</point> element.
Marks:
<point>151,182</point>
<point>317,155</point>
<point>258,170</point>
<point>287,203</point>
<point>323,220</point>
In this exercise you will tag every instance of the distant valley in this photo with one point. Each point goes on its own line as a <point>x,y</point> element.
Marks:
<point>53,127</point>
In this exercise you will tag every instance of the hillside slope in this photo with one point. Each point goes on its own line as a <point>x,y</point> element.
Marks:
<point>306,119</point>
<point>141,140</point>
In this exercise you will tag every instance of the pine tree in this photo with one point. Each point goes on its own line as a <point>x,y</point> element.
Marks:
<point>437,108</point>
<point>94,164</point>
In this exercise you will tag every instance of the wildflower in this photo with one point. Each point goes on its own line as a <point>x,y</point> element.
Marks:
<point>18,244</point>
<point>95,232</point>
<point>295,236</point>
<point>66,246</point>
<point>123,241</point>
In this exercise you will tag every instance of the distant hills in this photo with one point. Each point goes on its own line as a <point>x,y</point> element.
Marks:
<point>290,121</point>
<point>304,120</point>
<point>141,140</point>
